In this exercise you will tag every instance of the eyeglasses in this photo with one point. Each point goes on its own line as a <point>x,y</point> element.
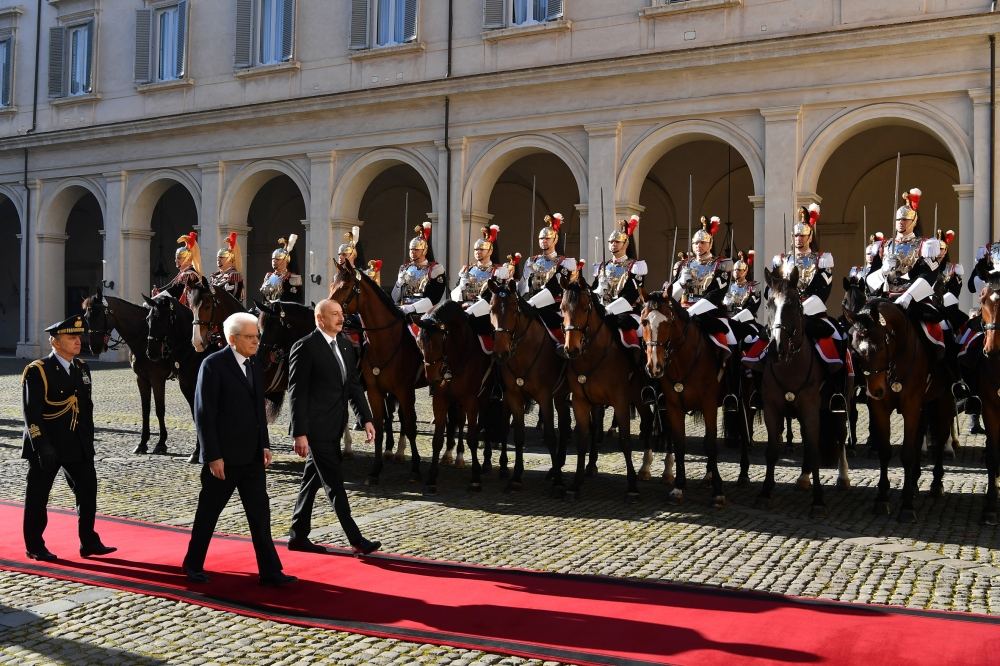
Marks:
<point>249,335</point>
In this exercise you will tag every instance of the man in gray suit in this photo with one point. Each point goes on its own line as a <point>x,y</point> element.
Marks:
<point>322,377</point>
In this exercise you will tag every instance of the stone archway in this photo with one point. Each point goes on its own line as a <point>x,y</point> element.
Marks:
<point>10,273</point>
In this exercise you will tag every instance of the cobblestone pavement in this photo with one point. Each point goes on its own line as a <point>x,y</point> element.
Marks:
<point>944,561</point>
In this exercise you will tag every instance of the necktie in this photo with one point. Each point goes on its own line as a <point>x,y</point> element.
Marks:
<point>340,359</point>
<point>249,369</point>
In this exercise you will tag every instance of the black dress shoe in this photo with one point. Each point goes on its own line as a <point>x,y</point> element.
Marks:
<point>305,546</point>
<point>196,575</point>
<point>42,554</point>
<point>366,547</point>
<point>97,549</point>
<point>277,580</point>
<point>194,458</point>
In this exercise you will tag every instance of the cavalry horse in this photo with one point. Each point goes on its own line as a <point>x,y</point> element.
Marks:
<point>900,374</point>
<point>683,360</point>
<point>104,314</point>
<point>391,364</point>
<point>459,372</point>
<point>794,383</point>
<point>530,369</point>
<point>210,306</point>
<point>601,372</point>
<point>987,371</point>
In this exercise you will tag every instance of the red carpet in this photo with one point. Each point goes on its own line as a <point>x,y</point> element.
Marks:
<point>579,619</point>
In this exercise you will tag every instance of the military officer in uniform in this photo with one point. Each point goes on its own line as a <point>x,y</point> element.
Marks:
<point>742,300</point>
<point>473,277</point>
<point>421,283</point>
<point>187,258</point>
<point>539,282</point>
<point>59,433</point>
<point>230,262</point>
<point>618,282</point>
<point>281,283</point>
<point>986,272</point>
<point>904,266</point>
<point>347,253</point>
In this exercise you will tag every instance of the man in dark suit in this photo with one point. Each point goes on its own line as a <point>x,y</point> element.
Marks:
<point>59,433</point>
<point>235,450</point>
<point>322,377</point>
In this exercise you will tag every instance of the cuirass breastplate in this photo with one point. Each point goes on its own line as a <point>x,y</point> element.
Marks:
<point>807,265</point>
<point>414,282</point>
<point>273,287</point>
<point>542,270</point>
<point>611,279</point>
<point>737,296</point>
<point>702,274</point>
<point>899,258</point>
<point>995,255</point>
<point>472,279</point>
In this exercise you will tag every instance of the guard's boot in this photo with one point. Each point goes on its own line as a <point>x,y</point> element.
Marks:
<point>964,400</point>
<point>838,403</point>
<point>975,426</point>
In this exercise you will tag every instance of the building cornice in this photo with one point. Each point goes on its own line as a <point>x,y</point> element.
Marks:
<point>821,44</point>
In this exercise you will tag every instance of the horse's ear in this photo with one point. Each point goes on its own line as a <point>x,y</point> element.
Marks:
<point>425,324</point>
<point>793,278</point>
<point>564,281</point>
<point>847,284</point>
<point>149,301</point>
<point>768,277</point>
<point>262,307</point>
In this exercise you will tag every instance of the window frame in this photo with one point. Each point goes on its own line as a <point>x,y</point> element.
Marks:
<point>89,27</point>
<point>178,69</point>
<point>7,72</point>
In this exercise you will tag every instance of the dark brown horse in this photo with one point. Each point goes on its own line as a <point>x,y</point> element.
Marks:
<point>601,372</point>
<point>900,374</point>
<point>684,361</point>
<point>459,373</point>
<point>210,306</point>
<point>391,364</point>
<point>530,369</point>
<point>106,314</point>
<point>794,383</point>
<point>987,376</point>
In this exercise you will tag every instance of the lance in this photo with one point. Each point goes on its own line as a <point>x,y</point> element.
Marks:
<point>895,192</point>
<point>406,226</point>
<point>604,250</point>
<point>468,246</point>
<point>531,241</point>
<point>864,240</point>
<point>673,253</point>
<point>935,220</point>
<point>690,206</point>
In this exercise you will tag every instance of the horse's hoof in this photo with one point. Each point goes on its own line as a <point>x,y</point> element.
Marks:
<point>399,457</point>
<point>387,455</point>
<point>591,470</point>
<point>937,490</point>
<point>843,484</point>
<point>707,481</point>
<point>763,502</point>
<point>460,463</point>
<point>430,490</point>
<point>817,511</point>
<point>513,486</point>
<point>803,483</point>
<point>447,459</point>
<point>645,476</point>
<point>631,497</point>
<point>371,481</point>
<point>159,449</point>
<point>669,480</point>
<point>719,502</point>
<point>882,508</point>
<point>475,487</point>
<point>140,449</point>
<point>907,516</point>
<point>989,518</point>
<point>744,480</point>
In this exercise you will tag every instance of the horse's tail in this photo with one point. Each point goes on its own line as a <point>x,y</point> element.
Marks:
<point>272,405</point>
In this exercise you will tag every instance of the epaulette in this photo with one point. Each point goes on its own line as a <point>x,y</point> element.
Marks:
<point>40,364</point>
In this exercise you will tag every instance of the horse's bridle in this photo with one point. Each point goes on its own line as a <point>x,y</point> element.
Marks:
<point>515,335</point>
<point>890,369</point>
<point>215,337</point>
<point>110,343</point>
<point>446,373</point>
<point>167,349</point>
<point>567,328</point>
<point>669,349</point>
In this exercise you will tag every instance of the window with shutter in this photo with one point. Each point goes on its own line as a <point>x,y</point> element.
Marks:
<point>80,39</point>
<point>57,62</point>
<point>180,65</point>
<point>6,70</point>
<point>493,14</point>
<point>360,19</point>
<point>553,10</point>
<point>243,52</point>
<point>395,22</point>
<point>143,45</point>
<point>288,30</point>
<point>166,43</point>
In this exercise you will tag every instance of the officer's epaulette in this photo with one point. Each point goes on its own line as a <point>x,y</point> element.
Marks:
<point>40,364</point>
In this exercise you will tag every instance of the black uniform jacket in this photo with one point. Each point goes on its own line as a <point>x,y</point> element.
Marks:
<point>58,411</point>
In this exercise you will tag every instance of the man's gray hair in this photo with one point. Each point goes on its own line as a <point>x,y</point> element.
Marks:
<point>236,321</point>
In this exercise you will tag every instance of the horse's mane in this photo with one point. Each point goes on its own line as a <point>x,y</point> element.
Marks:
<point>445,312</point>
<point>380,292</point>
<point>657,299</point>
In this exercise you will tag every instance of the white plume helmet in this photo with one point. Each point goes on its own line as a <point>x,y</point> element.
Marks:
<point>290,245</point>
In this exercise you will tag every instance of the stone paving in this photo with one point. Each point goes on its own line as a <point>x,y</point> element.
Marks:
<point>947,560</point>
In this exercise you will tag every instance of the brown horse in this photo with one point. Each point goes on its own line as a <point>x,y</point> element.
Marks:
<point>391,364</point>
<point>900,374</point>
<point>601,372</point>
<point>530,369</point>
<point>684,361</point>
<point>106,314</point>
<point>987,373</point>
<point>459,372</point>
<point>210,306</point>
<point>794,383</point>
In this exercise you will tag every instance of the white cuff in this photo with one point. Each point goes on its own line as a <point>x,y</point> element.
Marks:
<point>640,268</point>
<point>875,280</point>
<point>813,305</point>
<point>456,294</point>
<point>618,306</point>
<point>478,308</point>
<point>919,290</point>
<point>949,299</point>
<point>743,315</point>
<point>423,305</point>
<point>701,307</point>
<point>677,291</point>
<point>542,299</point>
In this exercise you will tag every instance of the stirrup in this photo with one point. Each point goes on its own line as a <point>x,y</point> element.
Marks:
<point>971,405</point>
<point>838,403</point>
<point>648,395</point>
<point>730,403</point>
<point>756,402</point>
<point>960,391</point>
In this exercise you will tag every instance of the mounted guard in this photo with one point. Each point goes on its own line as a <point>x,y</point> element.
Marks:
<point>187,258</point>
<point>539,283</point>
<point>229,259</point>
<point>282,283</point>
<point>618,282</point>
<point>421,282</point>
<point>348,250</point>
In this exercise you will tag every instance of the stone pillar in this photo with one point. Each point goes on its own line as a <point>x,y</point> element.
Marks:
<point>588,251</point>
<point>439,206</point>
<point>760,261</point>
<point>210,225</point>
<point>134,264</point>
<point>978,233</point>
<point>114,223</point>
<point>448,249</point>
<point>28,345</point>
<point>322,239</point>
<point>967,213</point>
<point>603,150</point>
<point>48,288</point>
<point>782,139</point>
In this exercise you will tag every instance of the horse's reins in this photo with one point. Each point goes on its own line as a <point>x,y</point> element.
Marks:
<point>668,350</point>
<point>890,367</point>
<point>515,339</point>
<point>214,338</point>
<point>583,347</point>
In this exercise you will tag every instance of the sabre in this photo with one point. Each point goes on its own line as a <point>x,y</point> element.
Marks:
<point>604,251</point>
<point>935,220</point>
<point>784,230</point>
<point>406,226</point>
<point>895,192</point>
<point>690,205</point>
<point>468,246</point>
<point>864,239</point>
<point>531,241</point>
<point>597,244</point>
<point>673,252</point>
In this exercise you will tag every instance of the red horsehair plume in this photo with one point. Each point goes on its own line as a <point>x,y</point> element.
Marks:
<point>493,231</point>
<point>426,231</point>
<point>879,236</point>
<point>713,225</point>
<point>190,240</point>
<point>231,240</point>
<point>750,257</point>
<point>376,264</point>
<point>813,214</point>
<point>555,221</point>
<point>514,259</point>
<point>949,236</point>
<point>580,264</point>
<point>632,223</point>
<point>913,197</point>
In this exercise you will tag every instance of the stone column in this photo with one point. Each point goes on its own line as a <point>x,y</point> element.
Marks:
<point>603,151</point>
<point>28,345</point>
<point>48,291</point>
<point>588,251</point>
<point>114,214</point>
<point>967,208</point>
<point>210,227</point>
<point>757,201</point>
<point>439,205</point>
<point>978,233</point>
<point>782,139</point>
<point>322,238</point>
<point>449,250</point>
<point>135,264</point>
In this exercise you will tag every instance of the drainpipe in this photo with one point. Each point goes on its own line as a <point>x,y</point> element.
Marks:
<point>447,147</point>
<point>993,124</point>
<point>27,190</point>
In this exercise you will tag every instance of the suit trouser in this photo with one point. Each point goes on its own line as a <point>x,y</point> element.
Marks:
<point>82,479</point>
<point>323,470</point>
<point>215,493</point>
